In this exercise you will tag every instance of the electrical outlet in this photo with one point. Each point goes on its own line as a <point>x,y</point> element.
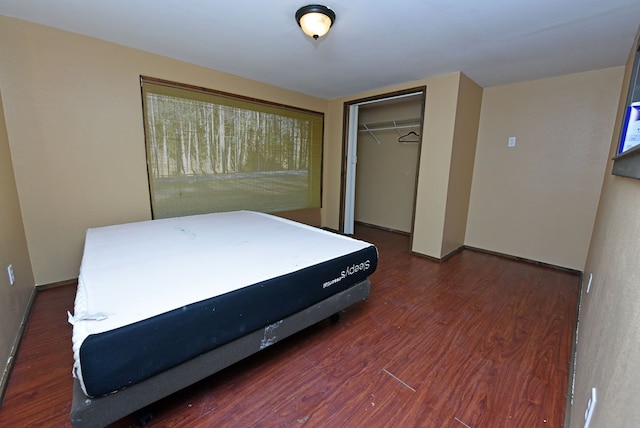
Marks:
<point>589,282</point>
<point>512,142</point>
<point>12,278</point>
<point>591,405</point>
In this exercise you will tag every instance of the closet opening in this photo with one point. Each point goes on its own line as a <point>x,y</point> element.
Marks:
<point>382,140</point>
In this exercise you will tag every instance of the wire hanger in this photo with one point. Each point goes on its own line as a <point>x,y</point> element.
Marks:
<point>410,137</point>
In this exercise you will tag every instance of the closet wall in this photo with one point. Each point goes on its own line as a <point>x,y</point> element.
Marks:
<point>387,164</point>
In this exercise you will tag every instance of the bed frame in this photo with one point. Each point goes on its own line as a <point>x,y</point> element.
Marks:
<point>98,412</point>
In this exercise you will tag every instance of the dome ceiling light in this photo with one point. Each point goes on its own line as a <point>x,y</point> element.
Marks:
<point>315,20</point>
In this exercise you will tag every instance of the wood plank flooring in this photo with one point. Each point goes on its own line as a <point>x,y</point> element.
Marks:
<point>476,341</point>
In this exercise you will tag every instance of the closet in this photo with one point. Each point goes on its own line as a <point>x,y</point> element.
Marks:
<point>388,148</point>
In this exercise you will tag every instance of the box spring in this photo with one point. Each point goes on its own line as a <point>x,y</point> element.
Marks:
<point>99,412</point>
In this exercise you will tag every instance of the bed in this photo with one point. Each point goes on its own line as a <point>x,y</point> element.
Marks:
<point>162,304</point>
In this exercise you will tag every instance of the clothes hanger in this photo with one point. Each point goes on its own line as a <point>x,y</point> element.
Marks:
<point>415,138</point>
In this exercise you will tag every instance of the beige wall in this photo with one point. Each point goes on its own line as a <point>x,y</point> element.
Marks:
<point>463,154</point>
<point>74,122</point>
<point>13,250</point>
<point>538,200</point>
<point>609,335</point>
<point>435,164</point>
<point>386,169</point>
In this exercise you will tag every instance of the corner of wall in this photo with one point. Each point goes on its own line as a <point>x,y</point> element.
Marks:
<point>14,298</point>
<point>435,163</point>
<point>462,162</point>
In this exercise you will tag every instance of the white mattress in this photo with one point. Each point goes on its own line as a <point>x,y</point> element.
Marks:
<point>170,263</point>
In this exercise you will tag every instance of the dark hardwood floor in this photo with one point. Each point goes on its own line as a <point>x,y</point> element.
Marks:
<point>477,341</point>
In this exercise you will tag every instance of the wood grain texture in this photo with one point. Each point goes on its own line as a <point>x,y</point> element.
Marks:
<point>478,340</point>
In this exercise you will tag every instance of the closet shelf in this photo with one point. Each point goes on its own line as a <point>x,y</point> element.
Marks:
<point>389,125</point>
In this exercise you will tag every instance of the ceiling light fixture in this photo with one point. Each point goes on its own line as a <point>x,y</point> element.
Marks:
<point>315,20</point>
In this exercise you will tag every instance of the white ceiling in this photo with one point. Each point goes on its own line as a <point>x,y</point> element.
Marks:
<point>372,44</point>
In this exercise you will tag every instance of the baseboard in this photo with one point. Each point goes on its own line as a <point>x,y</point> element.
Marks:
<point>73,281</point>
<point>523,259</point>
<point>387,229</point>
<point>574,355</point>
<point>441,259</point>
<point>16,344</point>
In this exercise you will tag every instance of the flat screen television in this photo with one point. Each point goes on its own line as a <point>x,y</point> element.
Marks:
<point>626,162</point>
<point>630,133</point>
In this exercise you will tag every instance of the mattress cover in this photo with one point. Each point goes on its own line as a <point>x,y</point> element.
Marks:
<point>136,272</point>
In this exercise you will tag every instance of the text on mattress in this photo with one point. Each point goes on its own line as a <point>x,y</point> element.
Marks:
<point>349,270</point>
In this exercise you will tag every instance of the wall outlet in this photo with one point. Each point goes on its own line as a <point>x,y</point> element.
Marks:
<point>591,405</point>
<point>512,142</point>
<point>589,282</point>
<point>12,277</point>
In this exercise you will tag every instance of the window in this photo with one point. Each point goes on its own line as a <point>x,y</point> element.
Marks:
<point>209,151</point>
